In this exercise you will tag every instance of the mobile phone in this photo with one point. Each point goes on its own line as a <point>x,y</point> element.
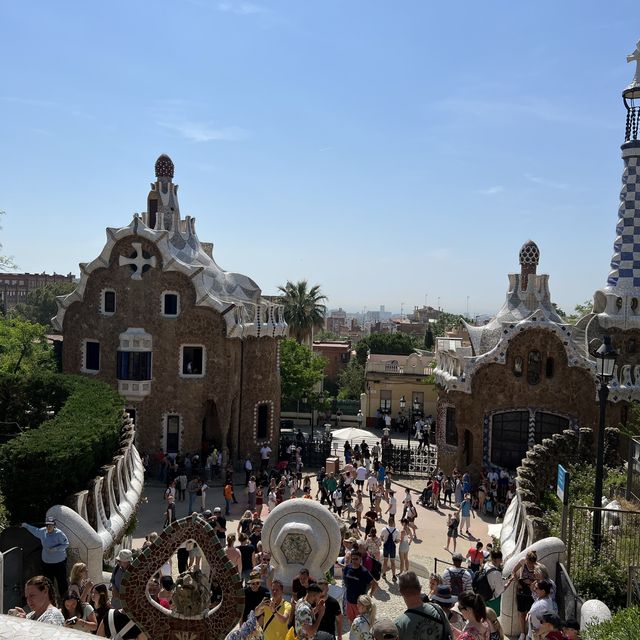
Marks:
<point>73,620</point>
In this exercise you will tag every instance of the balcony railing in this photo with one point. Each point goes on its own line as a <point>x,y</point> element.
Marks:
<point>394,368</point>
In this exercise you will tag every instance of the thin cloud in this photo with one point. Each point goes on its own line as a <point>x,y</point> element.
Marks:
<point>491,191</point>
<point>544,182</point>
<point>241,8</point>
<point>201,132</point>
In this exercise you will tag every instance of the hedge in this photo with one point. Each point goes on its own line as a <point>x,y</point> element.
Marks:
<point>44,465</point>
<point>624,625</point>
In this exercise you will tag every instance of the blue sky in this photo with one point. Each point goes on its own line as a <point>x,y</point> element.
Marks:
<point>390,151</point>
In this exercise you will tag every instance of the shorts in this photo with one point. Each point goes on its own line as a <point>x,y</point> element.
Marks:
<point>524,601</point>
<point>360,483</point>
<point>452,533</point>
<point>389,553</point>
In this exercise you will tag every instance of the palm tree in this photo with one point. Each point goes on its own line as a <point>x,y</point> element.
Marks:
<point>303,309</point>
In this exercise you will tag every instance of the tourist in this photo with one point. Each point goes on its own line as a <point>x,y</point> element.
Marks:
<point>453,523</point>
<point>356,580</point>
<point>474,611</point>
<point>373,544</point>
<point>170,511</point>
<point>447,490</point>
<point>331,622</point>
<point>219,524</point>
<point>491,574</point>
<point>166,589</point>
<point>524,572</point>
<point>301,583</point>
<point>336,499</point>
<point>247,554</point>
<point>542,604</point>
<point>495,628</point>
<point>384,629</point>
<point>466,511</point>
<point>372,486</point>
<point>571,629</point>
<point>378,500</point>
<point>274,613</point>
<point>153,588</point>
<point>406,537</point>
<point>541,573</point>
<point>77,614</point>
<point>41,599</point>
<point>202,492</point>
<point>251,492</point>
<point>359,508</point>
<point>259,499</point>
<point>170,490</point>
<point>100,602</point>
<point>123,560</point>
<point>272,498</point>
<point>181,485</point>
<point>445,600</point>
<point>361,626</point>
<point>550,627</point>
<point>392,509</point>
<point>435,580</point>
<point>233,555</point>
<point>421,619</point>
<point>54,551</point>
<point>117,624</point>
<point>254,594</point>
<point>228,497</point>
<point>457,577</point>
<point>309,612</point>
<point>475,557</point>
<point>79,582</point>
<point>265,453</point>
<point>390,537</point>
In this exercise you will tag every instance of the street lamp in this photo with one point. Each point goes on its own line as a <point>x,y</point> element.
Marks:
<point>605,365</point>
<point>403,404</point>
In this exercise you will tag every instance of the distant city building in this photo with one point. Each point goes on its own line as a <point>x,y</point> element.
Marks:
<point>389,378</point>
<point>14,287</point>
<point>424,315</point>
<point>336,321</point>
<point>337,353</point>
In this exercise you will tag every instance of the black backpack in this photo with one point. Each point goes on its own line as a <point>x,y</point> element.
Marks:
<point>456,581</point>
<point>480,583</point>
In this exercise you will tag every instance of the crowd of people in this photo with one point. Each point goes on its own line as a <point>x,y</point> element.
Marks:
<point>378,528</point>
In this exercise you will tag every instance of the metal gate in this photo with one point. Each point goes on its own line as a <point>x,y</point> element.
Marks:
<point>11,570</point>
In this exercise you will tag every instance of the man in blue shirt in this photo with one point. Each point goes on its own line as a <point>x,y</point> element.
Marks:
<point>54,551</point>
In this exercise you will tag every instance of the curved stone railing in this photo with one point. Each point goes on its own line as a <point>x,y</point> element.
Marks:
<point>96,519</point>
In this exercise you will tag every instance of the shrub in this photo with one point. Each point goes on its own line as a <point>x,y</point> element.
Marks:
<point>604,580</point>
<point>42,466</point>
<point>624,625</point>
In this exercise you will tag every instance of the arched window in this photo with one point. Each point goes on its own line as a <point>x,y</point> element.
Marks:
<point>533,367</point>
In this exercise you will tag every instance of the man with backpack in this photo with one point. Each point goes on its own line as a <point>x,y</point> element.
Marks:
<point>457,577</point>
<point>488,582</point>
<point>421,619</point>
<point>390,537</point>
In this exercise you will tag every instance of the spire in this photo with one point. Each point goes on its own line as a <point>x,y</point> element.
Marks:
<point>163,211</point>
<point>164,167</point>
<point>529,259</point>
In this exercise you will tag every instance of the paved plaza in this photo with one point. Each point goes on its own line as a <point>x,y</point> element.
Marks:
<point>422,555</point>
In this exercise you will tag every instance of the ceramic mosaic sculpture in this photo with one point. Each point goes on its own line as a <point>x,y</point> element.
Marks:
<point>156,621</point>
<point>301,533</point>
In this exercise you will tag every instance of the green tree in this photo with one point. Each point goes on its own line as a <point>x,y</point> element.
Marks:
<point>579,311</point>
<point>304,310</point>
<point>327,336</point>
<point>400,344</point>
<point>40,305</point>
<point>351,381</point>
<point>24,347</point>
<point>300,370</point>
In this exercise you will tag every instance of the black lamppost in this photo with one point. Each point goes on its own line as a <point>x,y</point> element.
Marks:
<point>403,404</point>
<point>605,364</point>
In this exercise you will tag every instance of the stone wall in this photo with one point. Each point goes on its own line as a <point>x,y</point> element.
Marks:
<point>538,473</point>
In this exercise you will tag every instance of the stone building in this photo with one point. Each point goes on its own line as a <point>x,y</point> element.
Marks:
<point>522,378</point>
<point>526,375</point>
<point>193,349</point>
<point>15,287</point>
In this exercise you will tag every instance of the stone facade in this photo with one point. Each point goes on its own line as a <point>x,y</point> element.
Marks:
<point>193,349</point>
<point>522,378</point>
